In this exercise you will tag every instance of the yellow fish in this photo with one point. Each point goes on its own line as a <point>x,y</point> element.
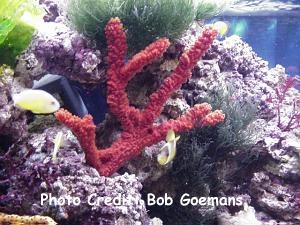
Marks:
<point>221,27</point>
<point>36,101</point>
<point>58,142</point>
<point>168,151</point>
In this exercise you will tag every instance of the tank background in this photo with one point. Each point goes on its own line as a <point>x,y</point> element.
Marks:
<point>274,38</point>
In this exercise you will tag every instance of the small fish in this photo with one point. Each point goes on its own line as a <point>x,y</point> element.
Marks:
<point>58,142</point>
<point>36,101</point>
<point>221,27</point>
<point>168,151</point>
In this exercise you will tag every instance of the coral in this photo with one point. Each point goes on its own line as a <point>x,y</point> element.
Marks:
<point>28,171</point>
<point>281,91</point>
<point>138,129</point>
<point>144,20</point>
<point>64,52</point>
<point>29,220</point>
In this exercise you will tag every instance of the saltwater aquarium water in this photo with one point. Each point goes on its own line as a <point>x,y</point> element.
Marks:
<point>149,112</point>
<point>272,28</point>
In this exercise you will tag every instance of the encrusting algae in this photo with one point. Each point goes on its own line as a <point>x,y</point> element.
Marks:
<point>6,219</point>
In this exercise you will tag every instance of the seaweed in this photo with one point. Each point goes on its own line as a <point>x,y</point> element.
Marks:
<point>144,20</point>
<point>206,9</point>
<point>281,92</point>
<point>15,33</point>
<point>237,130</point>
<point>192,173</point>
<point>194,168</point>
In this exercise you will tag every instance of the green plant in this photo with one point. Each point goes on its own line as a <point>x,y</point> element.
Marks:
<point>144,20</point>
<point>237,130</point>
<point>15,33</point>
<point>200,151</point>
<point>207,9</point>
<point>191,173</point>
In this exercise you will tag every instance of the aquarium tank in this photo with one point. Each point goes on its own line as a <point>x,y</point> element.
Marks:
<point>271,28</point>
<point>149,112</point>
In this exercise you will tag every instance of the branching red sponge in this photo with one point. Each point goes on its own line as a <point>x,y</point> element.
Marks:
<point>138,128</point>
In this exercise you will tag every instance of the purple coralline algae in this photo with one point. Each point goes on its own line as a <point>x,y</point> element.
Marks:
<point>13,122</point>
<point>32,173</point>
<point>65,52</point>
<point>52,10</point>
<point>232,62</point>
<point>274,185</point>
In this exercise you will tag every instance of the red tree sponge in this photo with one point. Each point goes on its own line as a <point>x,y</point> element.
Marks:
<point>138,129</point>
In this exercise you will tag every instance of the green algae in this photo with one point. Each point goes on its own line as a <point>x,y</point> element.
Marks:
<point>15,34</point>
<point>144,20</point>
